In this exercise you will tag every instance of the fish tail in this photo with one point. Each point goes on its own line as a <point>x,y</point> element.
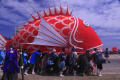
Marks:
<point>3,42</point>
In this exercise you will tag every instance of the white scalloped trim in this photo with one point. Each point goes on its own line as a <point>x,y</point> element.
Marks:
<point>75,32</point>
<point>95,47</point>
<point>73,35</point>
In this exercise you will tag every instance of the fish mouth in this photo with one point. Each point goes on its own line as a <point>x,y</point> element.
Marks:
<point>95,47</point>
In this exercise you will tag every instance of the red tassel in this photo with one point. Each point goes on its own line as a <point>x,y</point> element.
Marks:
<point>55,10</point>
<point>61,12</point>
<point>67,11</point>
<point>71,13</point>
<point>45,14</point>
<point>50,13</point>
<point>38,15</point>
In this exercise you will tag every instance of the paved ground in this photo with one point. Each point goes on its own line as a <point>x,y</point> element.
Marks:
<point>111,71</point>
<point>104,77</point>
<point>114,66</point>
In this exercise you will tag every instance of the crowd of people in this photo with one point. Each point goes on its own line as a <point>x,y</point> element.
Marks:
<point>52,63</point>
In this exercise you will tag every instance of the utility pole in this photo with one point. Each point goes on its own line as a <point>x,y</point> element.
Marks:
<point>21,63</point>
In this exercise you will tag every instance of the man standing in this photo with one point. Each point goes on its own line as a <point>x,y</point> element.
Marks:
<point>73,61</point>
<point>62,58</point>
<point>107,57</point>
<point>98,60</point>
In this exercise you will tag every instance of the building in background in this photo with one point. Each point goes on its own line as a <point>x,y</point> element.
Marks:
<point>18,29</point>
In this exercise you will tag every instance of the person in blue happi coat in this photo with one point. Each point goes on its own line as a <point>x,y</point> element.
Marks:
<point>10,68</point>
<point>2,57</point>
<point>33,59</point>
<point>25,57</point>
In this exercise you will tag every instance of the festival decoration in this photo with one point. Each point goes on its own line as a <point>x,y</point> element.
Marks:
<point>55,27</point>
<point>115,49</point>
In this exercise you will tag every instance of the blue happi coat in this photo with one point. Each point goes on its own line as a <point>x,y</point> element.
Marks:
<point>33,57</point>
<point>24,58</point>
<point>2,56</point>
<point>11,64</point>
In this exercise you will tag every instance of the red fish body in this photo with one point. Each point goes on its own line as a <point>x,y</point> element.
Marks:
<point>56,28</point>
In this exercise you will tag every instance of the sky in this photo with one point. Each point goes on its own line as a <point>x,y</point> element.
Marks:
<point>102,15</point>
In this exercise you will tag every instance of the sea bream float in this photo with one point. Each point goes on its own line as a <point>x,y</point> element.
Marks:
<point>54,27</point>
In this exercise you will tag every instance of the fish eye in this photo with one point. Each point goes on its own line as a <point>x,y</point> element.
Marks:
<point>86,24</point>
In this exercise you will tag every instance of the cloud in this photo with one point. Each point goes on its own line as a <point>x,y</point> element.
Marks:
<point>18,6</point>
<point>6,23</point>
<point>10,8</point>
<point>109,38</point>
<point>102,32</point>
<point>102,13</point>
<point>13,17</point>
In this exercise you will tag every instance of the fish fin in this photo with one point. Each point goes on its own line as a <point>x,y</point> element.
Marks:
<point>3,42</point>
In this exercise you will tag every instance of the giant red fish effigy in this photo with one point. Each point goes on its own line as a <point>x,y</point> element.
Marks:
<point>57,28</point>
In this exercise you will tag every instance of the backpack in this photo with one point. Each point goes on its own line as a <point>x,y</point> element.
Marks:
<point>72,59</point>
<point>50,62</point>
<point>99,59</point>
<point>62,56</point>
